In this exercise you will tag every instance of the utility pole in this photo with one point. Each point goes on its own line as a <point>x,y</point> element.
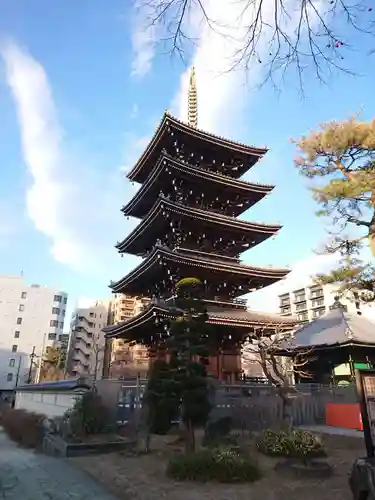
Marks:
<point>18,370</point>
<point>32,357</point>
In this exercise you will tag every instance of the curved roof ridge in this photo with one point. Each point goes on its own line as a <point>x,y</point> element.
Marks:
<point>155,172</point>
<point>164,203</point>
<point>250,150</point>
<point>189,165</point>
<point>263,150</point>
<point>222,216</point>
<point>159,250</point>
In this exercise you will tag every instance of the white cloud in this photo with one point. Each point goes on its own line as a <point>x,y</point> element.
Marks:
<point>143,38</point>
<point>76,207</point>
<point>301,275</point>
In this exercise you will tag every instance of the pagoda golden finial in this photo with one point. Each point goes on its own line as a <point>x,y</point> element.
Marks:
<point>192,100</point>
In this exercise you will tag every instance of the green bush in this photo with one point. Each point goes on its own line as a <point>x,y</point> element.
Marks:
<point>88,416</point>
<point>293,443</point>
<point>23,427</point>
<point>224,465</point>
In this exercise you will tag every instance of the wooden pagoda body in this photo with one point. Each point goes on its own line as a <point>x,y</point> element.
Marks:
<point>189,199</point>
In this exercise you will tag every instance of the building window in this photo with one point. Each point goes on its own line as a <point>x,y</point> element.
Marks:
<point>23,295</point>
<point>65,300</point>
<point>303,316</point>
<point>12,362</point>
<point>319,312</point>
<point>55,310</point>
<point>9,377</point>
<point>21,307</point>
<point>91,315</point>
<point>300,297</point>
<point>19,321</point>
<point>61,324</point>
<point>17,334</point>
<point>52,336</point>
<point>302,306</point>
<point>57,298</point>
<point>317,302</point>
<point>63,312</point>
<point>14,348</point>
<point>316,292</point>
<point>54,323</point>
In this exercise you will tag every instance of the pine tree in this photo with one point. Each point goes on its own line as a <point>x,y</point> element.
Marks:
<point>342,154</point>
<point>189,348</point>
<point>352,274</point>
<point>179,386</point>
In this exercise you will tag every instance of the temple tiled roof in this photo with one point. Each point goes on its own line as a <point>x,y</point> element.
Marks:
<point>200,260</point>
<point>227,317</point>
<point>167,162</point>
<point>335,328</point>
<point>223,222</point>
<point>168,121</point>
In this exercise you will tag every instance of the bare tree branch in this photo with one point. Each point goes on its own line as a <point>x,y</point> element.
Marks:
<point>278,34</point>
<point>267,348</point>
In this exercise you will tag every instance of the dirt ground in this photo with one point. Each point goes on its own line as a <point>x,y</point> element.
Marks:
<point>143,477</point>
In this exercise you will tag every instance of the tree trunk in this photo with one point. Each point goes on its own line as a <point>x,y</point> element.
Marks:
<point>189,438</point>
<point>286,413</point>
<point>371,230</point>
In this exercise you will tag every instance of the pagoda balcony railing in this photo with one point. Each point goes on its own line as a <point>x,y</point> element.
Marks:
<point>230,302</point>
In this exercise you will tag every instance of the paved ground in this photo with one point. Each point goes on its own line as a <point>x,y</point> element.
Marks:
<point>337,431</point>
<point>25,475</point>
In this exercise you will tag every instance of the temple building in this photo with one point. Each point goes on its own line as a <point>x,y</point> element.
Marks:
<point>189,199</point>
<point>331,347</point>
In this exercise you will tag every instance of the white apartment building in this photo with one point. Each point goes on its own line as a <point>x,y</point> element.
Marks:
<point>87,341</point>
<point>314,300</point>
<point>31,320</point>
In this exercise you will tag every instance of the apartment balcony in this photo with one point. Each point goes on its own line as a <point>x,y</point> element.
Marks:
<point>286,311</point>
<point>84,347</point>
<point>284,303</point>
<point>301,307</point>
<point>83,319</point>
<point>317,306</point>
<point>82,332</point>
<point>316,294</point>
<point>78,361</point>
<point>299,298</point>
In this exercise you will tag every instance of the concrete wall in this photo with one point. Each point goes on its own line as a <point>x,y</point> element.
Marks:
<point>51,404</point>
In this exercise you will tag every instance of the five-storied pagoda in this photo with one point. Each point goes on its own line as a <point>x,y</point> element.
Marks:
<point>188,203</point>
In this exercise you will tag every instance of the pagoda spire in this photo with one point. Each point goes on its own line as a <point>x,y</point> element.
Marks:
<point>192,100</point>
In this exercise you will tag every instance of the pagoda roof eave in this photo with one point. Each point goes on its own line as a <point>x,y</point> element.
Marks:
<point>166,161</point>
<point>136,173</point>
<point>222,221</point>
<point>231,318</point>
<point>202,261</point>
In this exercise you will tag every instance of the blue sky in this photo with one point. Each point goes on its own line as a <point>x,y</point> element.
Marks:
<point>82,88</point>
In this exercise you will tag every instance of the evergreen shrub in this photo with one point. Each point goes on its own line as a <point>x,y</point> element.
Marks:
<point>290,443</point>
<point>224,465</point>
